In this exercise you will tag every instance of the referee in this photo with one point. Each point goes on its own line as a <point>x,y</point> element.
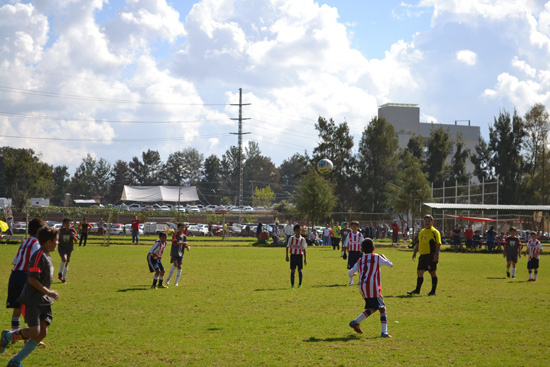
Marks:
<point>428,245</point>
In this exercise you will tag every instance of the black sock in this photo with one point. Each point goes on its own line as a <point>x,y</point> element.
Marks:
<point>154,282</point>
<point>292,279</point>
<point>300,276</point>
<point>419,282</point>
<point>434,284</point>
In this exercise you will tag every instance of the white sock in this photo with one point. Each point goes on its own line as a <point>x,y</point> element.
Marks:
<point>178,275</point>
<point>361,317</point>
<point>170,274</point>
<point>384,322</point>
<point>513,272</point>
<point>507,269</point>
<point>342,253</point>
<point>61,267</point>
<point>351,279</point>
<point>65,270</point>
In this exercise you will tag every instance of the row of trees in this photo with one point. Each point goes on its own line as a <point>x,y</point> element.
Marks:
<point>376,176</point>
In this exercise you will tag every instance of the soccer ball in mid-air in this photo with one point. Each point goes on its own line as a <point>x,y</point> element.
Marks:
<point>325,166</point>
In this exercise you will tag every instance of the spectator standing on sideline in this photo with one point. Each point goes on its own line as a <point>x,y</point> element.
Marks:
<point>405,230</point>
<point>395,233</point>
<point>456,239</point>
<point>84,228</point>
<point>491,234</point>
<point>344,234</point>
<point>429,244</point>
<point>326,235</point>
<point>336,236</point>
<point>469,233</point>
<point>289,231</point>
<point>135,230</point>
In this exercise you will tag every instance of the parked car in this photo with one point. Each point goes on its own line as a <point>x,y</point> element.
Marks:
<point>116,228</point>
<point>193,209</point>
<point>129,229</point>
<point>19,227</point>
<point>135,207</point>
<point>123,207</point>
<point>197,230</point>
<point>94,228</point>
<point>221,210</point>
<point>210,208</point>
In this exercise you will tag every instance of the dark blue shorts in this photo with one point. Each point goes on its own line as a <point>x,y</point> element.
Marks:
<point>353,256</point>
<point>533,264</point>
<point>154,264</point>
<point>296,261</point>
<point>374,303</point>
<point>17,281</point>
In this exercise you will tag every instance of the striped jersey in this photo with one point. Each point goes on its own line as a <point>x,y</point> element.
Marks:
<point>368,267</point>
<point>296,245</point>
<point>534,249</point>
<point>157,250</point>
<point>23,256</point>
<point>353,241</point>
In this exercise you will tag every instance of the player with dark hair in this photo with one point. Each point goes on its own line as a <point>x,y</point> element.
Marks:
<point>297,247</point>
<point>154,260</point>
<point>512,251</point>
<point>429,244</point>
<point>368,267</point>
<point>352,244</point>
<point>67,238</point>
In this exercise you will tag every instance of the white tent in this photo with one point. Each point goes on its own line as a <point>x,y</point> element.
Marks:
<point>159,193</point>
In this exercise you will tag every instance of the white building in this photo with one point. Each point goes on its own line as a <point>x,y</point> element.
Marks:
<point>405,119</point>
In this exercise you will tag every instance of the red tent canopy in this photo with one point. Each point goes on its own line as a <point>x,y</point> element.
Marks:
<point>473,219</point>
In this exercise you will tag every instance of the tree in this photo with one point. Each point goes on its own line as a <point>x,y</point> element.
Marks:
<point>378,159</point>
<point>61,179</point>
<point>24,175</point>
<point>210,183</point>
<point>291,173</point>
<point>315,198</point>
<point>336,144</point>
<point>536,127</point>
<point>149,171</point>
<point>183,168</point>
<point>415,146</point>
<point>457,168</point>
<point>263,197</point>
<point>482,162</point>
<point>411,188</point>
<point>120,176</point>
<point>230,173</point>
<point>259,169</point>
<point>92,178</point>
<point>438,150</point>
<point>505,142</point>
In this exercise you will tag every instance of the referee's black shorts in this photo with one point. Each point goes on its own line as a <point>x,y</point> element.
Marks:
<point>426,262</point>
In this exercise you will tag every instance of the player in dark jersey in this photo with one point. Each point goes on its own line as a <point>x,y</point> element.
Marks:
<point>179,244</point>
<point>512,251</point>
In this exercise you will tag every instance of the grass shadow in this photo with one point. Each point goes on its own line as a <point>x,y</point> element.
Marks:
<point>402,296</point>
<point>329,285</point>
<point>139,288</point>
<point>270,289</point>
<point>330,340</point>
<point>496,277</point>
<point>214,329</point>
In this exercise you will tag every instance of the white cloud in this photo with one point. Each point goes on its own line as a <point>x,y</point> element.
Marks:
<point>467,57</point>
<point>523,66</point>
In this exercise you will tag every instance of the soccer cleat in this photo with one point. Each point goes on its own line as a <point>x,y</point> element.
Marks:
<point>153,287</point>
<point>167,282</point>
<point>162,286</point>
<point>355,326</point>
<point>386,335</point>
<point>60,276</point>
<point>176,284</point>
<point>410,293</point>
<point>291,287</point>
<point>529,280</point>
<point>534,280</point>
<point>432,293</point>
<point>299,286</point>
<point>63,280</point>
<point>508,274</point>
<point>4,340</point>
<point>13,363</point>
<point>513,277</point>
<point>350,282</point>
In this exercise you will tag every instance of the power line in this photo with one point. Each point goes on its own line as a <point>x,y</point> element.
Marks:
<point>130,140</point>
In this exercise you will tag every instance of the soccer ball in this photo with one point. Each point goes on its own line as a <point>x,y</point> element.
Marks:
<point>325,166</point>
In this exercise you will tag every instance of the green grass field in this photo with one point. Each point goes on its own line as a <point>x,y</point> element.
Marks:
<point>234,307</point>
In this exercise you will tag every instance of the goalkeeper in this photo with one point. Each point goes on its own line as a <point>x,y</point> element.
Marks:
<point>429,245</point>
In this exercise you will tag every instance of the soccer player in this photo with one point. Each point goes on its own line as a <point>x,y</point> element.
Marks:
<point>154,260</point>
<point>352,244</point>
<point>179,244</point>
<point>534,248</point>
<point>368,267</point>
<point>84,228</point>
<point>297,246</point>
<point>428,246</point>
<point>18,276</point>
<point>37,298</point>
<point>344,234</point>
<point>512,251</point>
<point>67,238</point>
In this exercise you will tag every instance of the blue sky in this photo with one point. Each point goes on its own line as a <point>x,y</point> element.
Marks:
<point>115,78</point>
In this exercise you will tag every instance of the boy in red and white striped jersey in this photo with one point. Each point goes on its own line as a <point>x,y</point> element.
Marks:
<point>368,267</point>
<point>352,245</point>
<point>297,246</point>
<point>154,260</point>
<point>534,249</point>
<point>18,276</point>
